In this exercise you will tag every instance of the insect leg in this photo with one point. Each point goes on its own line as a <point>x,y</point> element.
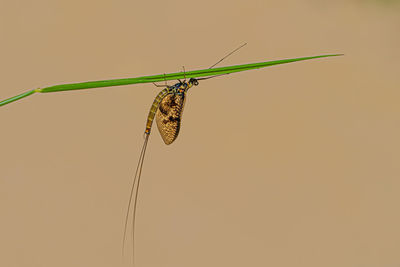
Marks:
<point>165,80</point>
<point>158,85</point>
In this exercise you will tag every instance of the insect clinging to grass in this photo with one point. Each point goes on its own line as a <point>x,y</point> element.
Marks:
<point>167,107</point>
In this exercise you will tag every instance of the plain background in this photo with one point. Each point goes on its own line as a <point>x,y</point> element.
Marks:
<point>292,165</point>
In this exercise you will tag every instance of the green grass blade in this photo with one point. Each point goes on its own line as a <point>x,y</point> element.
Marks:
<point>161,77</point>
<point>227,70</point>
<point>17,97</point>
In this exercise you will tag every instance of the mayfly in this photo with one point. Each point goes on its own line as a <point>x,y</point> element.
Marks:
<point>167,109</point>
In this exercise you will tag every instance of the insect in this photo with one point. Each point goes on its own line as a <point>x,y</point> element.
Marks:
<point>167,109</point>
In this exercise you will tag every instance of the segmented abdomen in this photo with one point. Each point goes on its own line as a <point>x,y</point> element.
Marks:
<point>154,108</point>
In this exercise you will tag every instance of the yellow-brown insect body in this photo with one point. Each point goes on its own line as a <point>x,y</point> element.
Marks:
<point>168,107</point>
<point>169,116</point>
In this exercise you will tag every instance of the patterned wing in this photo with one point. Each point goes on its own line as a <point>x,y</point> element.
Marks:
<point>169,115</point>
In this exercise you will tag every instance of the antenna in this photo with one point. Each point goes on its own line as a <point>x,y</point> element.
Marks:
<point>228,55</point>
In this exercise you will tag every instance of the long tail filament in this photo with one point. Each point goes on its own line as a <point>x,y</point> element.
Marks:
<point>134,196</point>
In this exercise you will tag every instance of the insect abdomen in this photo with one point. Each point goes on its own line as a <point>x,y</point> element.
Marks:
<point>154,108</point>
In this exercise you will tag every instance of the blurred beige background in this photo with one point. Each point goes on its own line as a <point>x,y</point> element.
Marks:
<point>293,165</point>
